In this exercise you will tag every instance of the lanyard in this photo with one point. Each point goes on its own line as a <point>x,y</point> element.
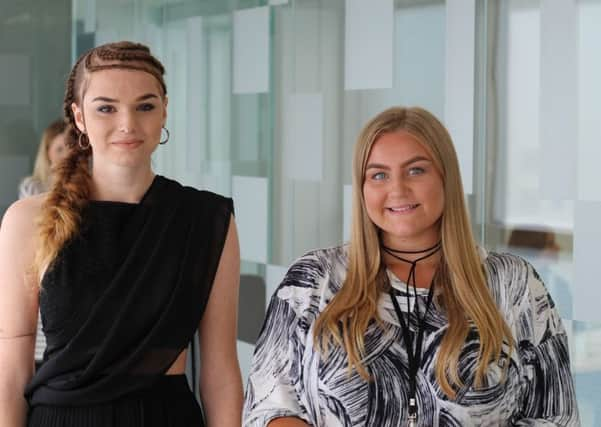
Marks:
<point>414,357</point>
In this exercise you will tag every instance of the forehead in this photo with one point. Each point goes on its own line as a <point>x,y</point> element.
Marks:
<point>58,139</point>
<point>121,84</point>
<point>395,147</point>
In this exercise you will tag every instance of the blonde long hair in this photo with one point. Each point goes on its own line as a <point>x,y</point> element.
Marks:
<point>41,167</point>
<point>460,276</point>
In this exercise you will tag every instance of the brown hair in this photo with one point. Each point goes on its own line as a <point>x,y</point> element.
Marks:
<point>460,276</point>
<point>41,168</point>
<point>61,212</point>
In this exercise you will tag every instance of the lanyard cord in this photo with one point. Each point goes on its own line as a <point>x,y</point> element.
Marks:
<point>413,356</point>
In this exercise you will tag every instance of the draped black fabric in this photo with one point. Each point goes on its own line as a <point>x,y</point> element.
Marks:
<point>166,403</point>
<point>125,296</point>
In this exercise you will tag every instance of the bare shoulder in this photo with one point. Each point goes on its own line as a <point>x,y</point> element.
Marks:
<point>21,215</point>
<point>18,236</point>
<point>18,293</point>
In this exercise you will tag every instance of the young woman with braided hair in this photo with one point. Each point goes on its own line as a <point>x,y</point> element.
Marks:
<point>124,265</point>
<point>410,324</point>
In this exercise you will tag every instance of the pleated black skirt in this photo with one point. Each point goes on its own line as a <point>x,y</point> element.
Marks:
<point>168,403</point>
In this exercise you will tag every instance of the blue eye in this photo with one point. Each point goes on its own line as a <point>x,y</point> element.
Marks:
<point>146,107</point>
<point>105,109</point>
<point>378,176</point>
<point>416,171</point>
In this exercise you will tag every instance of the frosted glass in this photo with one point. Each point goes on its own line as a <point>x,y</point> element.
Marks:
<point>589,148</point>
<point>420,43</point>
<point>587,235</point>
<point>15,77</point>
<point>104,36</point>
<point>368,59</point>
<point>251,50</point>
<point>196,77</point>
<point>89,22</point>
<point>14,169</point>
<point>347,210</point>
<point>250,199</point>
<point>274,275</point>
<point>245,354</point>
<point>558,99</point>
<point>303,145</point>
<point>215,177</point>
<point>459,89</point>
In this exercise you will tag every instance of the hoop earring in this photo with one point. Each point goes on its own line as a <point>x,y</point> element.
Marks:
<point>164,141</point>
<point>82,146</point>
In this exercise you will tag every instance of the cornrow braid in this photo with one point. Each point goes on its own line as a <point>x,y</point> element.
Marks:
<point>68,100</point>
<point>127,55</point>
<point>61,213</point>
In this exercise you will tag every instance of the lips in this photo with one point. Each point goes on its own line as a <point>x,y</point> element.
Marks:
<point>402,208</point>
<point>129,143</point>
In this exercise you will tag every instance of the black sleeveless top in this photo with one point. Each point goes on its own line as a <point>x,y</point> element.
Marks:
<point>125,296</point>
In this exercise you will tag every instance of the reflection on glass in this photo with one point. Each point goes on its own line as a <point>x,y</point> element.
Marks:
<point>531,214</point>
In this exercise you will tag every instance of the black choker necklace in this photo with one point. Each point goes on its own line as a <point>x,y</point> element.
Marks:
<point>430,251</point>
<point>414,353</point>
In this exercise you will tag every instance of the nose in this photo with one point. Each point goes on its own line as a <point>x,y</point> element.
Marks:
<point>127,122</point>
<point>400,186</point>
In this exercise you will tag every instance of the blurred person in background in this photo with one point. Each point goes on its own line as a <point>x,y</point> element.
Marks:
<point>52,149</point>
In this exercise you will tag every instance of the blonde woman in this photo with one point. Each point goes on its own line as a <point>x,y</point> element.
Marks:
<point>411,324</point>
<point>53,148</point>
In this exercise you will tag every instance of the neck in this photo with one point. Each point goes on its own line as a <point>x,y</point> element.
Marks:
<point>121,184</point>
<point>412,250</point>
<point>392,258</point>
<point>418,265</point>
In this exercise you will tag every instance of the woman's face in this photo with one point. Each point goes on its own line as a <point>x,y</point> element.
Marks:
<point>403,192</point>
<point>57,150</point>
<point>123,113</point>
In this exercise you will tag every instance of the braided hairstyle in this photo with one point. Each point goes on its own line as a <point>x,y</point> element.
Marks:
<point>60,215</point>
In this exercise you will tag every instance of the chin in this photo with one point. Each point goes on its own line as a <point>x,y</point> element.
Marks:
<point>406,233</point>
<point>128,162</point>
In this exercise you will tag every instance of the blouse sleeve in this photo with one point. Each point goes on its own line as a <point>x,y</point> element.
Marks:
<point>274,386</point>
<point>30,187</point>
<point>548,397</point>
<point>26,188</point>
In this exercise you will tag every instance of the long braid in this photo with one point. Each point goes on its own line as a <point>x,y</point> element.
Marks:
<point>61,213</point>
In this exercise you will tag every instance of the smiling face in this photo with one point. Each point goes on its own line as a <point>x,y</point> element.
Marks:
<point>123,113</point>
<point>403,192</point>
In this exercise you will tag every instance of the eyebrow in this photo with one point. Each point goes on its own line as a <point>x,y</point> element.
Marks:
<point>141,98</point>
<point>408,162</point>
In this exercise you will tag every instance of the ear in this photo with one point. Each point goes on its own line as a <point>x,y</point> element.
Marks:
<point>78,116</point>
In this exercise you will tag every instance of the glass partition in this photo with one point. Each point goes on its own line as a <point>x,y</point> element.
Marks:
<point>543,116</point>
<point>266,99</point>
<point>34,59</point>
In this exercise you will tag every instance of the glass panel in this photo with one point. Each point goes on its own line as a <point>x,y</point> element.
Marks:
<point>34,59</point>
<point>296,138</point>
<point>218,134</point>
<point>542,113</point>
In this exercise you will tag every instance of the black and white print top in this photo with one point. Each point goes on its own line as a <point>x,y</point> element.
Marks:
<point>289,378</point>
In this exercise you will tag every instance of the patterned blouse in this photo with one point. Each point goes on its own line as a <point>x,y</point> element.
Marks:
<point>289,378</point>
